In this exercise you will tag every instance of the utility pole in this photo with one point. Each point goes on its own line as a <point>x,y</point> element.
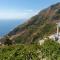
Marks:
<point>57,30</point>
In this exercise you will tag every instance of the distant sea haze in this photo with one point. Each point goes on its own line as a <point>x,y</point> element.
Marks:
<point>8,25</point>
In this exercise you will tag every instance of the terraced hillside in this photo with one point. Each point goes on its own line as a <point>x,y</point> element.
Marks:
<point>37,27</point>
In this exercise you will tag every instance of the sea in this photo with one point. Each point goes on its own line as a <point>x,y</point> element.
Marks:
<point>8,25</point>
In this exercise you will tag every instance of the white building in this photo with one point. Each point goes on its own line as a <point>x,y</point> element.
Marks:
<point>56,36</point>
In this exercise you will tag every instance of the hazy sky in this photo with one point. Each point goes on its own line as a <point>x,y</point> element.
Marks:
<point>22,9</point>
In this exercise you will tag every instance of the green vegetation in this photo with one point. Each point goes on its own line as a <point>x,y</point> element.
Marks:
<point>8,41</point>
<point>50,50</point>
<point>19,52</point>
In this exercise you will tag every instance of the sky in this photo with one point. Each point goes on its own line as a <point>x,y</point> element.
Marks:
<point>22,9</point>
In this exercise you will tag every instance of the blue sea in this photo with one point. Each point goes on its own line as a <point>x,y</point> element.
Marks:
<point>8,25</point>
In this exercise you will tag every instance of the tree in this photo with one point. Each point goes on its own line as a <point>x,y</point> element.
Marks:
<point>8,41</point>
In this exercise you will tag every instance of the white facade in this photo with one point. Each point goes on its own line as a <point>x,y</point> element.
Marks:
<point>54,36</point>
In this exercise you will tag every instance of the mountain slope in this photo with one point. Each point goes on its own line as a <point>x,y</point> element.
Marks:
<point>37,27</point>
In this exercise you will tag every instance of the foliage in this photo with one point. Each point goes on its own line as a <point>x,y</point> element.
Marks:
<point>19,52</point>
<point>8,41</point>
<point>50,50</point>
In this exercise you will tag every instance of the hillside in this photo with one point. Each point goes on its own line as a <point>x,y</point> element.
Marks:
<point>37,27</point>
